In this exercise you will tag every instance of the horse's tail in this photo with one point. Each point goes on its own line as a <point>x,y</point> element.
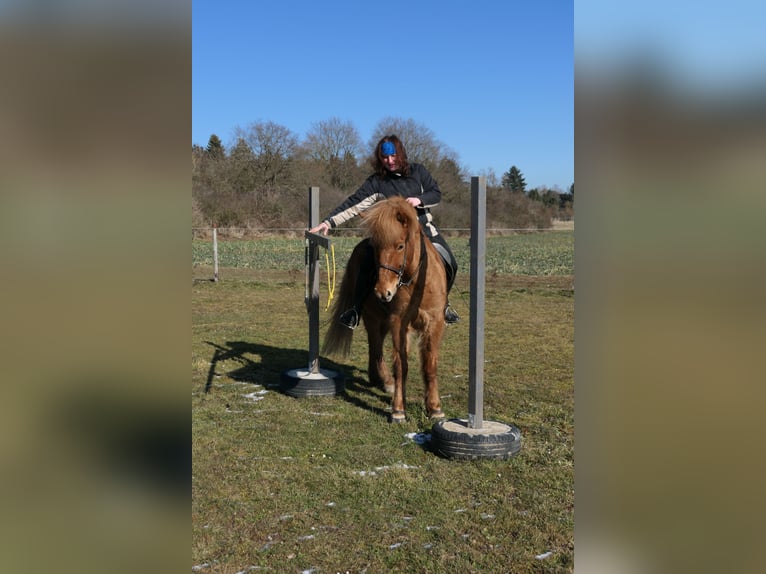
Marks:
<point>337,339</point>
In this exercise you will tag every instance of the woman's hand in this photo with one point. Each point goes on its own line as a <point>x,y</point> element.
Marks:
<point>322,228</point>
<point>414,201</point>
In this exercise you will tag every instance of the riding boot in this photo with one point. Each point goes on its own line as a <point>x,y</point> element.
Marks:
<point>450,315</point>
<point>364,283</point>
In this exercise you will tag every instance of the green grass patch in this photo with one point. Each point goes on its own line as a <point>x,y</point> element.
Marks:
<point>326,483</point>
<point>544,253</point>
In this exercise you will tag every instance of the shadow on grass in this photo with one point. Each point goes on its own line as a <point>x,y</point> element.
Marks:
<point>267,371</point>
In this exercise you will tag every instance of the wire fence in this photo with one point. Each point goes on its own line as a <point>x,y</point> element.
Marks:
<point>543,252</point>
<point>255,232</point>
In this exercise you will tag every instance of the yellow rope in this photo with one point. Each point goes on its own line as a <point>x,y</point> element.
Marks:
<point>330,280</point>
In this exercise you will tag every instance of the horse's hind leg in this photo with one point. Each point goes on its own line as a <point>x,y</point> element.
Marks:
<point>376,365</point>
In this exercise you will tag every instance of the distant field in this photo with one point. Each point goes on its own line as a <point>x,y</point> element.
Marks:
<point>326,484</point>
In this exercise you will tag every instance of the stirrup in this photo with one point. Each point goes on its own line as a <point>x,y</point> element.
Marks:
<point>350,318</point>
<point>450,317</point>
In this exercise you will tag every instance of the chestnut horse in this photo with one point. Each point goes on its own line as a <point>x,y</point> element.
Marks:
<point>409,296</point>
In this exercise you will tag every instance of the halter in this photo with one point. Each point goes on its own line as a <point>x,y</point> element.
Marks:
<point>400,272</point>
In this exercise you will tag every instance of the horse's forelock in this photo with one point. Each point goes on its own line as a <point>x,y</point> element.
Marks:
<point>383,221</point>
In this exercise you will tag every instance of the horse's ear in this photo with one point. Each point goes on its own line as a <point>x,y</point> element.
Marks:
<point>402,218</point>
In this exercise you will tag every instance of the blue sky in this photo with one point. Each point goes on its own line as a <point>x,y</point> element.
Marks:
<point>492,80</point>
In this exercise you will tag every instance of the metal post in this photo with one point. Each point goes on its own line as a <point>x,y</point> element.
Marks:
<point>314,381</point>
<point>476,333</point>
<point>313,281</point>
<point>478,438</point>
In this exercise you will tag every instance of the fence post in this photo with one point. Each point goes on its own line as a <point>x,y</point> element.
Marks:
<point>215,253</point>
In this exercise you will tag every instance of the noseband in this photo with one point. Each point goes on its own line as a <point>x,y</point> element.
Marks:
<point>400,272</point>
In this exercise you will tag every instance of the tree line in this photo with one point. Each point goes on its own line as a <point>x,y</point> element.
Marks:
<point>261,180</point>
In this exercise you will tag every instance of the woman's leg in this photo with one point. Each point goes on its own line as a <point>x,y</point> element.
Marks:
<point>450,268</point>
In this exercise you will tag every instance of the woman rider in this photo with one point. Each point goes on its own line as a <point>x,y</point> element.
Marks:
<point>394,175</point>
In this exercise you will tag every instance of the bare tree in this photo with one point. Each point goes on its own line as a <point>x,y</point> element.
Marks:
<point>491,176</point>
<point>336,144</point>
<point>333,139</point>
<point>273,146</point>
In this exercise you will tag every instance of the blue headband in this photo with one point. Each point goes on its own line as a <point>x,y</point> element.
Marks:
<point>388,149</point>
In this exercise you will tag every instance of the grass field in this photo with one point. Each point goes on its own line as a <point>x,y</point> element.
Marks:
<point>326,484</point>
<point>549,253</point>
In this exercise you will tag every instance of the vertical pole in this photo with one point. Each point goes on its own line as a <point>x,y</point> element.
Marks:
<point>215,253</point>
<point>313,280</point>
<point>476,337</point>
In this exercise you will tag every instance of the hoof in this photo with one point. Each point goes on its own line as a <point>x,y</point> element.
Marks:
<point>389,389</point>
<point>436,415</point>
<point>398,417</point>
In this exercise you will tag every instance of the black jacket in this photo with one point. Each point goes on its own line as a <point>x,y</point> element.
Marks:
<point>419,183</point>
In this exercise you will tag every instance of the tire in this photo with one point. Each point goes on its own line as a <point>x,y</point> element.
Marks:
<point>300,383</point>
<point>456,440</point>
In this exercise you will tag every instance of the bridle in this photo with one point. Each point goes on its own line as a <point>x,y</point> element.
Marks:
<point>400,272</point>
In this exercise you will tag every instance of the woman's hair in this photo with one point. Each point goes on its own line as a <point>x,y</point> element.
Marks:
<point>401,155</point>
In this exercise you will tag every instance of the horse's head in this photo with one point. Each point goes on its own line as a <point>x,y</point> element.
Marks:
<point>393,228</point>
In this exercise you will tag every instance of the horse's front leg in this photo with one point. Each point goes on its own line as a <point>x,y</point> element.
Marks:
<point>399,350</point>
<point>429,361</point>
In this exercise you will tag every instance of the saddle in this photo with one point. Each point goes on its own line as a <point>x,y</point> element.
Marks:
<point>447,261</point>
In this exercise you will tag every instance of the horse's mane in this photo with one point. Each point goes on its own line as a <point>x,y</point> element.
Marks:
<point>383,221</point>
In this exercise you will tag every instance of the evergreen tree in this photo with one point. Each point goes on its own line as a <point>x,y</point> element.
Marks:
<point>566,200</point>
<point>215,147</point>
<point>550,197</point>
<point>514,180</point>
<point>241,173</point>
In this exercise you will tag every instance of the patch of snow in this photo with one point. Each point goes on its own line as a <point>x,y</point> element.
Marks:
<point>382,468</point>
<point>419,437</point>
<point>256,395</point>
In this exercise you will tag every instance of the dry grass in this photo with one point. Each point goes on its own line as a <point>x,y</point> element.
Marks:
<point>328,485</point>
<point>560,225</point>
